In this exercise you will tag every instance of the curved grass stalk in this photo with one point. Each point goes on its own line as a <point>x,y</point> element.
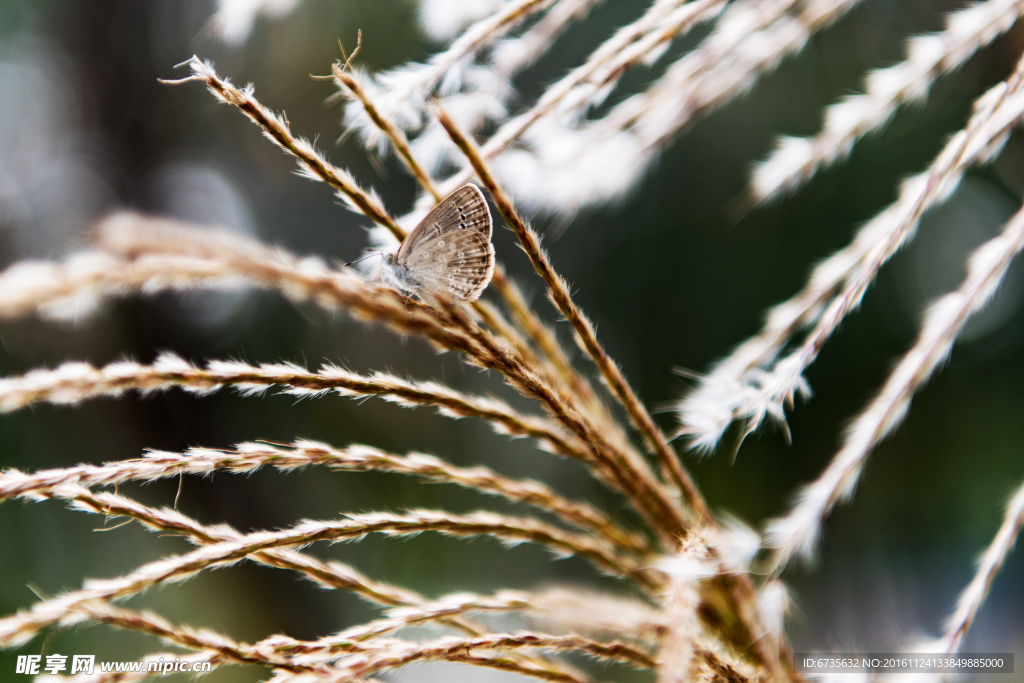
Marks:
<point>945,319</point>
<point>797,159</point>
<point>739,387</point>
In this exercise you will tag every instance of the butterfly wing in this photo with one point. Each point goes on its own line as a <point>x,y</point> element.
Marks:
<point>450,251</point>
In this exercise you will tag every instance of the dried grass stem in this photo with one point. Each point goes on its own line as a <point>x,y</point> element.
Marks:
<point>277,130</point>
<point>586,336</point>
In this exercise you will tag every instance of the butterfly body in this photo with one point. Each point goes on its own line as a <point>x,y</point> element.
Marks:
<point>449,252</point>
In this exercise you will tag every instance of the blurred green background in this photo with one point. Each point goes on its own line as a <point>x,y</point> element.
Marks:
<point>670,276</point>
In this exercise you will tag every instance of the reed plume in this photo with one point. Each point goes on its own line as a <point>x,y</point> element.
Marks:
<point>702,595</point>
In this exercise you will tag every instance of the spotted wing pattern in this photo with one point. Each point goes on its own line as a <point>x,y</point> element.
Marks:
<point>450,251</point>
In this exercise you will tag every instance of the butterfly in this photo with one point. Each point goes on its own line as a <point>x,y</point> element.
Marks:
<point>449,252</point>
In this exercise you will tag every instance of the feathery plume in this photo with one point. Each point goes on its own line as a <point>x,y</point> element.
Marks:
<point>353,85</point>
<point>583,87</point>
<point>442,20</point>
<point>248,457</point>
<point>312,164</point>
<point>675,657</point>
<point>549,355</point>
<point>511,55</point>
<point>577,610</point>
<point>277,130</point>
<point>739,387</point>
<point>445,607</point>
<point>973,596</point>
<point>554,366</point>
<point>204,640</point>
<point>750,39</point>
<point>385,654</point>
<point>279,653</point>
<point>928,57</point>
<point>448,327</point>
<point>75,382</point>
<point>474,93</point>
<point>63,609</point>
<point>329,575</point>
<point>739,592</point>
<point>554,156</point>
<point>404,90</point>
<point>585,335</point>
<point>601,160</point>
<point>944,320</point>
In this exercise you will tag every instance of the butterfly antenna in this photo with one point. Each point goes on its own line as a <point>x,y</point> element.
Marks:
<point>352,263</point>
<point>348,58</point>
